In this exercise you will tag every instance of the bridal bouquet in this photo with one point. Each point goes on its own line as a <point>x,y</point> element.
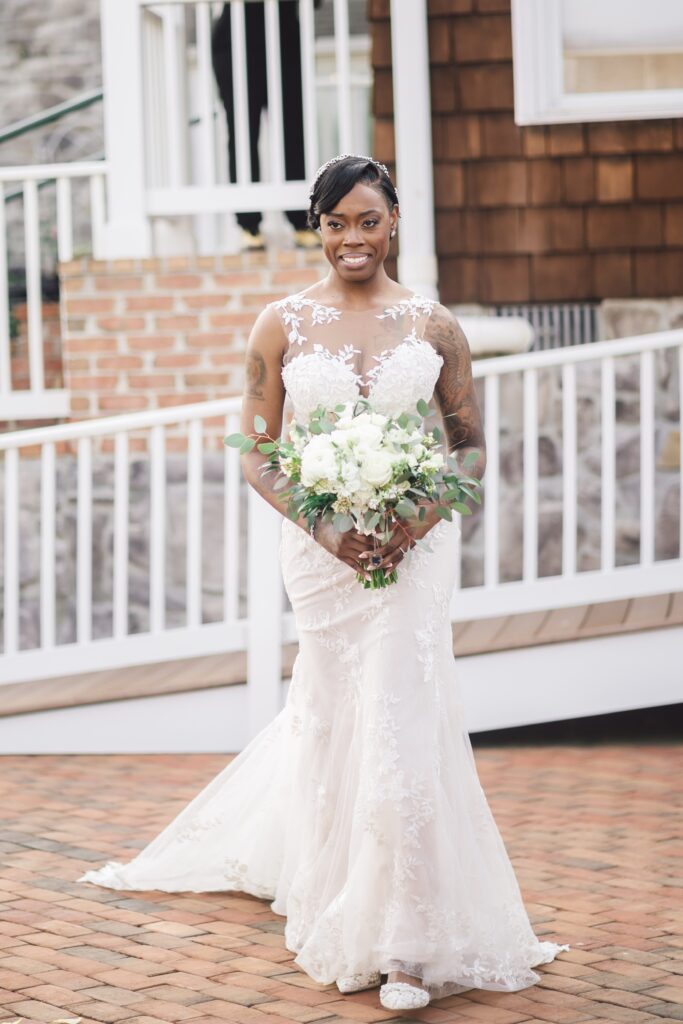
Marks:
<point>362,470</point>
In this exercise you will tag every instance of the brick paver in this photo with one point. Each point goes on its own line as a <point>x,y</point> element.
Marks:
<point>593,833</point>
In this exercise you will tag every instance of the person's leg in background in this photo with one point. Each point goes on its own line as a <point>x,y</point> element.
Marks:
<point>221,54</point>
<point>292,114</point>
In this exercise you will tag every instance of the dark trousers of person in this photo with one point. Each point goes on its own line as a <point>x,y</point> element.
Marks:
<point>257,90</point>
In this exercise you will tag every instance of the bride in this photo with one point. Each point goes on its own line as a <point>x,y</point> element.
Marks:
<point>358,811</point>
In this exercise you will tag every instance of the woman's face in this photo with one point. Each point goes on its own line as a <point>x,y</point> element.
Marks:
<point>355,235</point>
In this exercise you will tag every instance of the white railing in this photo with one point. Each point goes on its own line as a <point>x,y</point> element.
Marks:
<point>53,184</point>
<point>65,480</point>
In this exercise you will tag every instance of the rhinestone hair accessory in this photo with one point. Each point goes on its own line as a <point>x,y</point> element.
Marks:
<point>342,156</point>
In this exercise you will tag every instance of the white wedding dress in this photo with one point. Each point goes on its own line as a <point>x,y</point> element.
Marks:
<point>358,811</point>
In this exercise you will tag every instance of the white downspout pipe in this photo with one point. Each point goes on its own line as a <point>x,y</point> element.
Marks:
<point>417,264</point>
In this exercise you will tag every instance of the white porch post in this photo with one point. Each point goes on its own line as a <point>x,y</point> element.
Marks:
<point>264,613</point>
<point>126,231</point>
<point>417,265</point>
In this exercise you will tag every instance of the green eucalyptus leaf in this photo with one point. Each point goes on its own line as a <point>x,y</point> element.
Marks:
<point>247,445</point>
<point>406,508</point>
<point>471,458</point>
<point>267,447</point>
<point>422,407</point>
<point>444,513</point>
<point>234,440</point>
<point>463,509</point>
<point>260,425</point>
<point>342,522</point>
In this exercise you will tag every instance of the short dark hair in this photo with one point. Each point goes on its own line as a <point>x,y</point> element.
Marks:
<point>339,178</point>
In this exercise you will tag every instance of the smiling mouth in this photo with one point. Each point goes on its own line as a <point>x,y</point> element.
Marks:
<point>355,261</point>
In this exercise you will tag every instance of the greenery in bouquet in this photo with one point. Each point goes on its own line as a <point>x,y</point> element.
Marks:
<point>362,470</point>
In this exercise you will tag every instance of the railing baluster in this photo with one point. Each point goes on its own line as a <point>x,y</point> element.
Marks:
<point>11,609</point>
<point>84,542</point>
<point>310,112</point>
<point>569,495</point>
<point>491,480</point>
<point>647,457</point>
<point>65,248</point>
<point>680,451</point>
<point>157,529</point>
<point>608,463</point>
<point>343,69</point>
<point>174,107</point>
<point>231,525</point>
<point>193,580</point>
<point>5,364</point>
<point>97,213</point>
<point>240,92</point>
<point>47,545</point>
<point>33,285</point>
<point>530,562</point>
<point>273,75</point>
<point>121,499</point>
<point>207,137</point>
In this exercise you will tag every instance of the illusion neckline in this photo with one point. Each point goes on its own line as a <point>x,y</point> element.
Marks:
<point>371,309</point>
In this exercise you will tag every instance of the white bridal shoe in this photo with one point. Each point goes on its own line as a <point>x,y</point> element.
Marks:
<point>358,982</point>
<point>399,995</point>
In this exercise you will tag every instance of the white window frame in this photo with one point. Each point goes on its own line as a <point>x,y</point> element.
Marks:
<point>538,77</point>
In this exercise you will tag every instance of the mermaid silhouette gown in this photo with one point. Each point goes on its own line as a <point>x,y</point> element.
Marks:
<point>358,810</point>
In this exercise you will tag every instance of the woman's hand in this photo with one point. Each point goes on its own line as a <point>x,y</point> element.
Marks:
<point>348,547</point>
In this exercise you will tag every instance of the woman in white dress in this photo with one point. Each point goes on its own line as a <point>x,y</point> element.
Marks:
<point>358,811</point>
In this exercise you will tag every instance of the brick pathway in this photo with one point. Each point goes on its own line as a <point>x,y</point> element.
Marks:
<point>593,833</point>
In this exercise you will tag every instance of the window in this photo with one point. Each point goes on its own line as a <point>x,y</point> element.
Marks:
<point>597,60</point>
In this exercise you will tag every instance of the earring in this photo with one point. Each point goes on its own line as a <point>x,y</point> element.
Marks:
<point>392,233</point>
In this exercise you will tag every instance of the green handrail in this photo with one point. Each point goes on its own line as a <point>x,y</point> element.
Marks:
<point>27,124</point>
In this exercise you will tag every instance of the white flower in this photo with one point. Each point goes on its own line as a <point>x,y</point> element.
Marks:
<point>318,461</point>
<point>377,467</point>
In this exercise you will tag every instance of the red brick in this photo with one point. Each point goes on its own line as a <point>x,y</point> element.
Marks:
<point>624,227</point>
<point>204,301</point>
<point>612,275</point>
<point>564,278</point>
<point>151,381</point>
<point>545,182</point>
<point>501,136</point>
<point>480,40</point>
<point>497,183</point>
<point>178,281</point>
<point>232,320</point>
<point>239,279</point>
<point>659,177</point>
<point>203,380</point>
<point>120,323</point>
<point>177,360</point>
<point>578,180</point>
<point>76,307</point>
<point>148,303</point>
<point>614,179</point>
<point>96,344</point>
<point>167,401</point>
<point>151,342</point>
<point>207,339</point>
<point>177,323</point>
<point>486,87</point>
<point>114,283</point>
<point>504,279</point>
<point>93,383</point>
<point>121,403</point>
<point>566,139</point>
<point>119,362</point>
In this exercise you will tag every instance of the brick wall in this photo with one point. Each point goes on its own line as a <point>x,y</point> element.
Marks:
<point>551,213</point>
<point>145,334</point>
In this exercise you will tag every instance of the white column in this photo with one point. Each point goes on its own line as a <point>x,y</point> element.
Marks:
<point>264,612</point>
<point>126,233</point>
<point>417,265</point>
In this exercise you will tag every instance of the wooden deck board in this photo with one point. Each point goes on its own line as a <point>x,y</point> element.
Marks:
<point>469,638</point>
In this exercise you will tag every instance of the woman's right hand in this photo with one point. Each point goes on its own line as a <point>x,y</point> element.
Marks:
<point>347,547</point>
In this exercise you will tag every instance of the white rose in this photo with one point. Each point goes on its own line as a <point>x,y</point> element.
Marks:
<point>318,461</point>
<point>433,461</point>
<point>377,467</point>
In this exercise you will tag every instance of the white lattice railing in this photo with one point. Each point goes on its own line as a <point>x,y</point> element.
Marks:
<point>48,185</point>
<point>83,479</point>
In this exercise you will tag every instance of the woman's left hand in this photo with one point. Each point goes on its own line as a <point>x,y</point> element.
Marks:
<point>405,533</point>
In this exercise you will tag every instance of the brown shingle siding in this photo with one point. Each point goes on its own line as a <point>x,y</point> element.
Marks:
<point>540,213</point>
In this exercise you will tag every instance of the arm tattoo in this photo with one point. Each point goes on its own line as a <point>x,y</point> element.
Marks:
<point>455,391</point>
<point>255,376</point>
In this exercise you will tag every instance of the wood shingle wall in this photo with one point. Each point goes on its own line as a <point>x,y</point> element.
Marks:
<point>536,214</point>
